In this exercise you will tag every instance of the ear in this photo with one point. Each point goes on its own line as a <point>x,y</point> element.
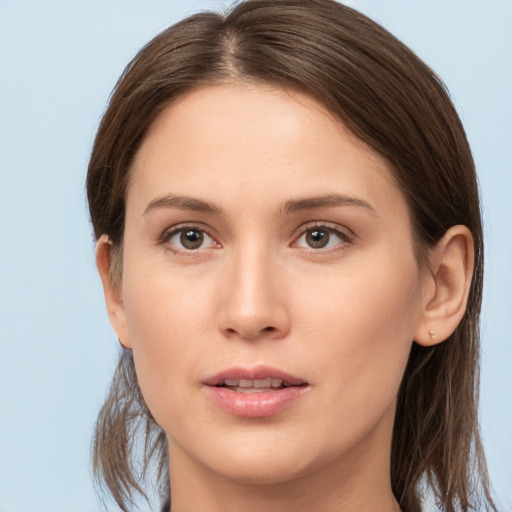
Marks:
<point>112,290</point>
<point>447,285</point>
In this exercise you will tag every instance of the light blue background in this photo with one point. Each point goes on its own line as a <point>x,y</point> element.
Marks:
<point>58,63</point>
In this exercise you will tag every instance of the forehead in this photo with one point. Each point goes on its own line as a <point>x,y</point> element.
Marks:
<point>232,141</point>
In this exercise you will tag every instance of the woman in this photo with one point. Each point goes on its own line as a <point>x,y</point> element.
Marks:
<point>290,245</point>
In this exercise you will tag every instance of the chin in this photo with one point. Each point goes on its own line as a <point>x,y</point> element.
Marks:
<point>273,471</point>
<point>264,463</point>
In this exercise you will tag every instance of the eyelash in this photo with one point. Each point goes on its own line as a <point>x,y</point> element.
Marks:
<point>345,236</point>
<point>168,234</point>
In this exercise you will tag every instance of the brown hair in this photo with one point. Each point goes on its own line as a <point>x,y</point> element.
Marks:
<point>392,101</point>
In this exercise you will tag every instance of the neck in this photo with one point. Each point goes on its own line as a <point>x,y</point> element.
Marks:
<point>360,481</point>
<point>306,494</point>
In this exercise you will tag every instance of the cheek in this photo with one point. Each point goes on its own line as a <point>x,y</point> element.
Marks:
<point>167,319</point>
<point>360,330</point>
<point>162,302</point>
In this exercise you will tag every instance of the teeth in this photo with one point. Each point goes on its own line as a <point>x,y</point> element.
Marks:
<point>262,383</point>
<point>251,390</point>
<point>267,383</point>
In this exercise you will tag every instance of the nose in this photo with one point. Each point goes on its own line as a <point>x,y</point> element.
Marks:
<point>253,297</point>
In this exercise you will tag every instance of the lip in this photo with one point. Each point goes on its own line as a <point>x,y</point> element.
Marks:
<point>259,404</point>
<point>258,372</point>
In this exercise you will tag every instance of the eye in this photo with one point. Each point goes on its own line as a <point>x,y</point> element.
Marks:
<point>189,238</point>
<point>322,237</point>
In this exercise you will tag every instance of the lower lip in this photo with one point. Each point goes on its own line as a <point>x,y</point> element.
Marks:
<point>254,405</point>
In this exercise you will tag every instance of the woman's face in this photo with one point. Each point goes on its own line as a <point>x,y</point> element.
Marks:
<point>269,291</point>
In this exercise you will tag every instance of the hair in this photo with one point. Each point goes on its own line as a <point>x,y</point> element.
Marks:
<point>385,95</point>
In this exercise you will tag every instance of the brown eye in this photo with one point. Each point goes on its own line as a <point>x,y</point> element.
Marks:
<point>317,238</point>
<point>191,239</point>
<point>187,239</point>
<point>323,237</point>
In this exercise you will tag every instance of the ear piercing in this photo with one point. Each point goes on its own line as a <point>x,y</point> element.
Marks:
<point>432,334</point>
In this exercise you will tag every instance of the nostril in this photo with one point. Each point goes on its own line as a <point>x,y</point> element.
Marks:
<point>269,329</point>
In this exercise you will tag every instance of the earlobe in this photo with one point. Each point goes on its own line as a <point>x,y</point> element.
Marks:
<point>112,290</point>
<point>447,290</point>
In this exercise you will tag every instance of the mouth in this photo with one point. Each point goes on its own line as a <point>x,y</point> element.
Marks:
<point>254,386</point>
<point>253,380</point>
<point>257,392</point>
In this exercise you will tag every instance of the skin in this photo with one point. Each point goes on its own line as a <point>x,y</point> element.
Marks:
<point>342,317</point>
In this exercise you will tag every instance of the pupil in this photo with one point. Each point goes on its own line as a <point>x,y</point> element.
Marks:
<point>191,239</point>
<point>317,238</point>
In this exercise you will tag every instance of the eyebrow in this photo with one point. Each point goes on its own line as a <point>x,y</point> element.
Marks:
<point>327,201</point>
<point>293,205</point>
<point>182,203</point>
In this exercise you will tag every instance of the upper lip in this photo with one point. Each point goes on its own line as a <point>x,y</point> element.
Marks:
<point>255,373</point>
